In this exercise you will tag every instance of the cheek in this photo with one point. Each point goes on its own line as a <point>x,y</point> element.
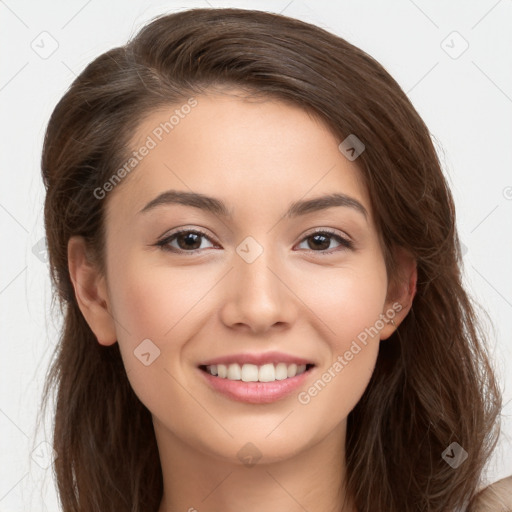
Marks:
<point>346,301</point>
<point>152,302</point>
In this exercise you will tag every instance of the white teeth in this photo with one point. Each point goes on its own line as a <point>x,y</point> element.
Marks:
<point>267,373</point>
<point>281,371</point>
<point>253,373</point>
<point>249,373</point>
<point>234,372</point>
<point>221,370</point>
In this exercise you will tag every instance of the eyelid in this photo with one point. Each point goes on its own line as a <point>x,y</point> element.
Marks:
<point>186,229</point>
<point>331,231</point>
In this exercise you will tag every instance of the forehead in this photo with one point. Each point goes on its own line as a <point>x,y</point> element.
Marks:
<point>264,154</point>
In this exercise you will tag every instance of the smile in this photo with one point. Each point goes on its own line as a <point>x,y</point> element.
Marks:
<point>256,384</point>
<point>253,373</point>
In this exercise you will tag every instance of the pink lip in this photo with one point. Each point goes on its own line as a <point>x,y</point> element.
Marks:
<point>257,359</point>
<point>256,392</point>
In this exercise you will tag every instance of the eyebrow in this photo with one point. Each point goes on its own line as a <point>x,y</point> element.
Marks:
<point>218,207</point>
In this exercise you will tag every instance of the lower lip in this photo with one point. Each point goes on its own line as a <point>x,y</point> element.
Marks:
<point>256,392</point>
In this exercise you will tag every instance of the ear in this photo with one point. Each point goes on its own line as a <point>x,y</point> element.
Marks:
<point>90,291</point>
<point>401,292</point>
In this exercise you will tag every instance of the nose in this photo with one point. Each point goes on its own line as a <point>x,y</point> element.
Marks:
<point>258,296</point>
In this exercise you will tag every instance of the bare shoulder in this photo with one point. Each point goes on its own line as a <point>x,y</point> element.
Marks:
<point>496,497</point>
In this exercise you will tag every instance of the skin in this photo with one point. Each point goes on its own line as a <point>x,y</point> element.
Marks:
<point>495,498</point>
<point>257,157</point>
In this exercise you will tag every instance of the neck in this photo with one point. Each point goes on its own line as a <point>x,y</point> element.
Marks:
<point>311,480</point>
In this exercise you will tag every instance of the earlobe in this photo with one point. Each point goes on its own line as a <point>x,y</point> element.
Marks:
<point>90,291</point>
<point>401,292</point>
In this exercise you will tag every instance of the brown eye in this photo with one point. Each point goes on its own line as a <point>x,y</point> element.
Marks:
<point>320,241</point>
<point>187,240</point>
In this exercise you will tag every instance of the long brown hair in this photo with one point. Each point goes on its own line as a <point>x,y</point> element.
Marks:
<point>433,383</point>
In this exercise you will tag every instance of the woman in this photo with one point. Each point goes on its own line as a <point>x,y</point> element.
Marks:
<point>255,248</point>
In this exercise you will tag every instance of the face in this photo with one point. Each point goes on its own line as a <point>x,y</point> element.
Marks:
<point>256,275</point>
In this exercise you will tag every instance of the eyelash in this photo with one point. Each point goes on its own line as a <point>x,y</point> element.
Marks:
<point>344,242</point>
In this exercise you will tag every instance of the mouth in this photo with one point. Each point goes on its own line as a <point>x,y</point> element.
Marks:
<point>256,378</point>
<point>269,372</point>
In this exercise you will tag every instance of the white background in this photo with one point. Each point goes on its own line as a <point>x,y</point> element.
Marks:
<point>465,101</point>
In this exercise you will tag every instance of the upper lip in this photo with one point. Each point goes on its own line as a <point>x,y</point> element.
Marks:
<point>257,359</point>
